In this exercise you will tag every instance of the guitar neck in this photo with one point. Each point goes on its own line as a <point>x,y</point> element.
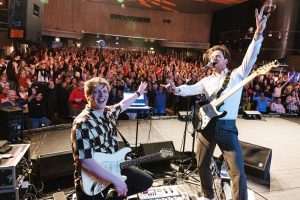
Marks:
<point>140,160</point>
<point>222,98</point>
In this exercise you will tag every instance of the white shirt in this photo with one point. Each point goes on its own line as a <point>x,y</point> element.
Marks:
<point>214,82</point>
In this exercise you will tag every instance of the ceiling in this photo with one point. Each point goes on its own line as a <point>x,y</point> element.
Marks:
<point>177,6</point>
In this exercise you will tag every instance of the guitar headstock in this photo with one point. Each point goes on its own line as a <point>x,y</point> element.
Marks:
<point>267,67</point>
<point>165,153</point>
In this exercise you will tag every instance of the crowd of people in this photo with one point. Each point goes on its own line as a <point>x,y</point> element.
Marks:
<point>47,84</point>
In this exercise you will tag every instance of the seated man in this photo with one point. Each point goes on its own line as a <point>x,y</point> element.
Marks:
<point>277,107</point>
<point>262,102</point>
<point>94,131</point>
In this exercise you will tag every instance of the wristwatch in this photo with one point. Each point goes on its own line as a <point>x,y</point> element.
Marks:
<point>138,93</point>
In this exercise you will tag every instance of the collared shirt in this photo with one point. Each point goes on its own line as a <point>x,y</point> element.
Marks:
<point>213,83</point>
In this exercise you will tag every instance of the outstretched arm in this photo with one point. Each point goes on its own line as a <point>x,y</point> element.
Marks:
<point>254,47</point>
<point>283,85</point>
<point>125,103</point>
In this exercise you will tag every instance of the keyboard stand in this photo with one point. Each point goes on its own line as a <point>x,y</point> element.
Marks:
<point>137,110</point>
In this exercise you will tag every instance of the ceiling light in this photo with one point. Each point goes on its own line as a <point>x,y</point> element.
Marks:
<point>270,34</point>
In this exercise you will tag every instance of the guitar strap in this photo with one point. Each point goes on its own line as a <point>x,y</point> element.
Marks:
<point>123,138</point>
<point>224,85</point>
<point>215,94</point>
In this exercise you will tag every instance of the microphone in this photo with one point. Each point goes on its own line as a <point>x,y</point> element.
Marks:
<point>209,65</point>
<point>101,43</point>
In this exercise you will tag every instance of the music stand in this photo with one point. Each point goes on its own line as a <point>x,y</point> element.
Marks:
<point>136,110</point>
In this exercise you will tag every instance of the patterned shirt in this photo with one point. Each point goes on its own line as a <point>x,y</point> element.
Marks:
<point>93,133</point>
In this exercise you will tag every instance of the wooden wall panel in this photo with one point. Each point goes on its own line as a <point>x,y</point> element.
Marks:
<point>94,17</point>
<point>60,15</point>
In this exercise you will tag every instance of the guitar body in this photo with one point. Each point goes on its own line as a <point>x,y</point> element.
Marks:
<point>91,185</point>
<point>114,163</point>
<point>207,114</point>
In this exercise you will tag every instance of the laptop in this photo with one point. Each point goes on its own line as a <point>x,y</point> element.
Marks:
<point>139,102</point>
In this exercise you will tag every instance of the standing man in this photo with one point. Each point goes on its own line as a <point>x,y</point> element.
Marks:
<point>224,132</point>
<point>94,130</point>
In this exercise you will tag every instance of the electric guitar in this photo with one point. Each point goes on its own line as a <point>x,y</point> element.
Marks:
<point>208,112</point>
<point>114,163</point>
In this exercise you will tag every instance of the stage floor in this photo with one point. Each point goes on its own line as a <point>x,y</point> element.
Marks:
<point>282,135</point>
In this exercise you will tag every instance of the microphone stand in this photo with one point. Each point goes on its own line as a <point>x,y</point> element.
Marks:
<point>192,164</point>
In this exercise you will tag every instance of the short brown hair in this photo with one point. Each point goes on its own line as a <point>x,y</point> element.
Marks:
<point>222,48</point>
<point>92,83</point>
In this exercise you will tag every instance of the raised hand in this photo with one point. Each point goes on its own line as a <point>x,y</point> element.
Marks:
<point>142,88</point>
<point>261,20</point>
<point>171,86</point>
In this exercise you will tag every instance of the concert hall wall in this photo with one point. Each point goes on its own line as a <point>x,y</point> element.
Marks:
<point>94,17</point>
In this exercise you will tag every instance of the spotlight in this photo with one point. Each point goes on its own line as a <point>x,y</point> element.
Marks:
<point>279,35</point>
<point>270,6</point>
<point>270,34</point>
<point>250,30</point>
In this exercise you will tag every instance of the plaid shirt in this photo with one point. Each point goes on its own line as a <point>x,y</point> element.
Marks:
<point>292,103</point>
<point>92,133</point>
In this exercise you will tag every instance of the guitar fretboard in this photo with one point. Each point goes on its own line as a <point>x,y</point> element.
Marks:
<point>137,161</point>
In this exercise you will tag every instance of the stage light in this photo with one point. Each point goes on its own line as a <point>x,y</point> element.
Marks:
<point>270,6</point>
<point>250,30</point>
<point>57,39</point>
<point>279,35</point>
<point>120,1</point>
<point>270,34</point>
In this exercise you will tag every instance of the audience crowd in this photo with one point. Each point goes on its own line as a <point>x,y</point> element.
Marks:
<point>47,84</point>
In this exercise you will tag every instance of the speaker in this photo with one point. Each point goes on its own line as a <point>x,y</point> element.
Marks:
<point>17,13</point>
<point>55,165</point>
<point>158,163</point>
<point>257,160</point>
<point>251,114</point>
<point>11,124</point>
<point>25,19</point>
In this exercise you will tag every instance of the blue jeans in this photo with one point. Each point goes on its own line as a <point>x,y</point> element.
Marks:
<point>225,134</point>
<point>39,122</point>
<point>159,111</point>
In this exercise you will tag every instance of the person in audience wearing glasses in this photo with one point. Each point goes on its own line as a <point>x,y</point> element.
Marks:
<point>93,131</point>
<point>223,131</point>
